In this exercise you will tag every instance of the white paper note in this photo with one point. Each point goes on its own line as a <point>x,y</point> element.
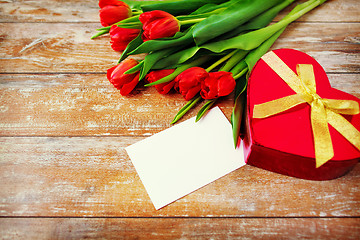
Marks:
<point>186,157</point>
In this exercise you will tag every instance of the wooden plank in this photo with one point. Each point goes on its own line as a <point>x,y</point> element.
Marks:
<point>49,11</point>
<point>68,48</point>
<point>87,104</point>
<point>84,104</point>
<point>330,11</point>
<point>64,172</point>
<point>85,11</point>
<point>179,228</point>
<point>93,176</point>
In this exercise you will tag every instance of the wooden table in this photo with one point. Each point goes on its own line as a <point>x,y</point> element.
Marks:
<point>64,173</point>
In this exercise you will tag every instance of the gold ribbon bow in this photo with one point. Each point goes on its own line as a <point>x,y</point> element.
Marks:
<point>323,111</point>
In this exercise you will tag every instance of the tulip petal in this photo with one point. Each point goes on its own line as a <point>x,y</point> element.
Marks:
<point>103,3</point>
<point>153,15</point>
<point>158,24</point>
<point>113,14</point>
<point>128,87</point>
<point>161,28</point>
<point>121,37</point>
<point>188,83</point>
<point>124,82</point>
<point>218,84</point>
<point>162,88</point>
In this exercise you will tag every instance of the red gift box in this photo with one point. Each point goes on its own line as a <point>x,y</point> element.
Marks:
<point>284,141</point>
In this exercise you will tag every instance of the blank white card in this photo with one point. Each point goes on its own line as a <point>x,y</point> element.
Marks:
<point>186,157</point>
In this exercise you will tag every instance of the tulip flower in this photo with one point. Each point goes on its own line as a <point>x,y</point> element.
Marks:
<point>158,24</point>
<point>124,82</point>
<point>162,88</point>
<point>217,84</point>
<point>216,26</point>
<point>113,11</point>
<point>103,3</point>
<point>188,83</point>
<point>121,37</point>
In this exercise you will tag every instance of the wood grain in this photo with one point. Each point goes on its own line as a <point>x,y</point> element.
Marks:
<point>180,228</point>
<point>84,104</point>
<point>64,171</point>
<point>87,11</point>
<point>48,11</point>
<point>92,176</point>
<point>87,104</point>
<point>67,48</point>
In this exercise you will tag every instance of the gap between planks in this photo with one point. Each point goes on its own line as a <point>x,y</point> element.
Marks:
<point>180,217</point>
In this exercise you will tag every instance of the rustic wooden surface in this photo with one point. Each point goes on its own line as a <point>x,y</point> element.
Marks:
<point>64,173</point>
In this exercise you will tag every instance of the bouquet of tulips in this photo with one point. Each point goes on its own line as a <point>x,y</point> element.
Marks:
<point>201,48</point>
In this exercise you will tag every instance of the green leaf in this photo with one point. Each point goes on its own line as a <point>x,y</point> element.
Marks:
<point>176,58</point>
<point>200,15</point>
<point>234,60</point>
<point>181,39</point>
<point>259,21</point>
<point>253,39</point>
<point>135,68</point>
<point>204,109</point>
<point>152,58</point>
<point>237,115</point>
<point>186,108</point>
<point>250,60</point>
<point>211,7</point>
<point>257,53</point>
<point>138,4</point>
<point>131,46</point>
<point>179,7</point>
<point>234,16</point>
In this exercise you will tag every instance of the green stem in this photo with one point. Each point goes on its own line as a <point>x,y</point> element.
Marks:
<point>240,74</point>
<point>205,108</point>
<point>186,108</point>
<point>253,39</point>
<point>221,60</point>
<point>100,33</point>
<point>234,60</point>
<point>190,21</point>
<point>297,12</point>
<point>127,20</point>
<point>135,12</point>
<point>103,28</point>
<point>130,23</point>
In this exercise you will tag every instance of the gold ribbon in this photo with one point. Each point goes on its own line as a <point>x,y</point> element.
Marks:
<point>323,111</point>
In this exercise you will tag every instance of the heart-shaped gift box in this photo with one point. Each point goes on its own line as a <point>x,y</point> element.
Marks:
<point>283,141</point>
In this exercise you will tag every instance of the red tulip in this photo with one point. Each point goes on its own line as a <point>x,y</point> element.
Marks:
<point>162,88</point>
<point>124,82</point>
<point>188,83</point>
<point>103,3</point>
<point>217,84</point>
<point>113,11</point>
<point>158,24</point>
<point>120,37</point>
